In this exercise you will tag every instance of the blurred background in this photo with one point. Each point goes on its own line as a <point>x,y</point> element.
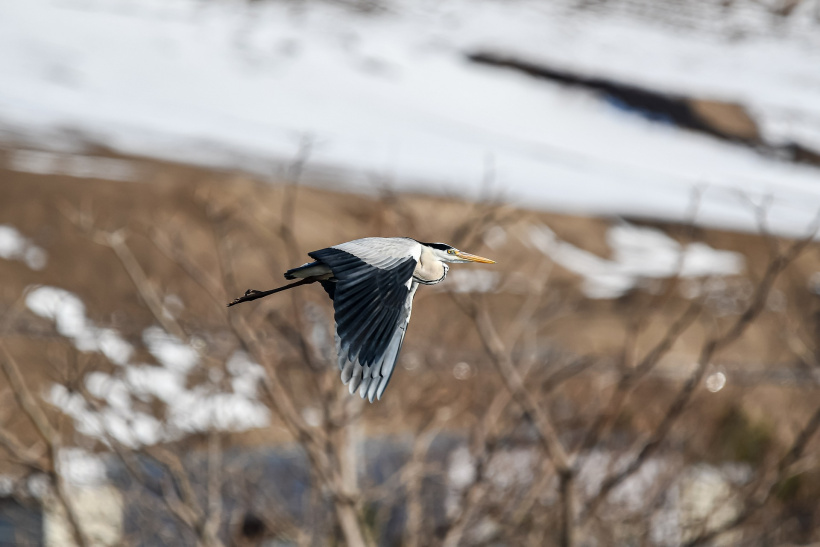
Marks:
<point>640,367</point>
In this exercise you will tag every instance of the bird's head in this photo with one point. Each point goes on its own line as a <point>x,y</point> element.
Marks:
<point>447,253</point>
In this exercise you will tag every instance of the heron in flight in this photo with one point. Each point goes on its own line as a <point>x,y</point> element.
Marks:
<point>372,282</point>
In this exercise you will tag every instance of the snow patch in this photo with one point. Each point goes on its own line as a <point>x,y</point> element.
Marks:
<point>72,165</point>
<point>461,469</point>
<point>245,374</point>
<point>68,313</point>
<point>15,246</point>
<point>471,281</point>
<point>188,409</point>
<point>638,253</point>
<point>171,352</point>
<point>82,468</point>
<point>148,381</point>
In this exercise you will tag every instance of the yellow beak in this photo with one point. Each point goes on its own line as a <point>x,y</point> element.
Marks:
<point>474,258</point>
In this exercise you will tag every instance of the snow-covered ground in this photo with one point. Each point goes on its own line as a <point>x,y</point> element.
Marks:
<point>638,254</point>
<point>388,98</point>
<point>188,408</point>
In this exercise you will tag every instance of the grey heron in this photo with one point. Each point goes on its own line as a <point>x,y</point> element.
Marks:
<point>372,282</point>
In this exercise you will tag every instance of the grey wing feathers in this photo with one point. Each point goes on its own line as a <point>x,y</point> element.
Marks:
<point>382,252</point>
<point>372,297</point>
<point>371,381</point>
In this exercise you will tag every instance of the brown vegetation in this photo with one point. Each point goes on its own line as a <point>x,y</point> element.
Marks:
<point>527,414</point>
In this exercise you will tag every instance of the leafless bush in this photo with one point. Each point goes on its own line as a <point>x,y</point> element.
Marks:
<point>538,436</point>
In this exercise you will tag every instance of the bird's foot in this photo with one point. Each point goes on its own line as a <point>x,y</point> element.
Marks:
<point>250,294</point>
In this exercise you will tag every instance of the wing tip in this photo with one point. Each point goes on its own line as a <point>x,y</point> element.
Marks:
<point>363,387</point>
<point>347,372</point>
<point>372,388</point>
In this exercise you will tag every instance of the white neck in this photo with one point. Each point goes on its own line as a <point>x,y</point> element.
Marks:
<point>430,270</point>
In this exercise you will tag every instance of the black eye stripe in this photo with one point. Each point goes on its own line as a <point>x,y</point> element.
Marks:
<point>439,246</point>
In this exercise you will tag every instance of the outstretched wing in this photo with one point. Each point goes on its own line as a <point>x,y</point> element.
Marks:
<point>372,300</point>
<point>371,381</point>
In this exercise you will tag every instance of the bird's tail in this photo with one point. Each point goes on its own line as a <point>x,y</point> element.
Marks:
<point>310,269</point>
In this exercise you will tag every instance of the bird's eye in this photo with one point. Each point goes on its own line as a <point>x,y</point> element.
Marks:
<point>451,251</point>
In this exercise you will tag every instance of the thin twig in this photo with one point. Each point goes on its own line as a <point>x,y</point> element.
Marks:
<point>32,409</point>
<point>783,472</point>
<point>540,416</point>
<point>708,350</point>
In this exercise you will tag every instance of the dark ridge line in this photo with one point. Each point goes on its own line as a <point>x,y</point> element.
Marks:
<point>653,105</point>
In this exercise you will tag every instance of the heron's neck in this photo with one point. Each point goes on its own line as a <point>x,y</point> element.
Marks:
<point>430,270</point>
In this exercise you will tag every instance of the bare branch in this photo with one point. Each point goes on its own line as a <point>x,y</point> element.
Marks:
<point>631,378</point>
<point>116,241</point>
<point>540,417</point>
<point>783,472</point>
<point>23,455</point>
<point>214,519</point>
<point>209,284</point>
<point>35,413</point>
<point>515,384</point>
<point>708,351</point>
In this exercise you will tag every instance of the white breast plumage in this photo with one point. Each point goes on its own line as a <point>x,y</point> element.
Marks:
<point>422,281</point>
<point>429,270</point>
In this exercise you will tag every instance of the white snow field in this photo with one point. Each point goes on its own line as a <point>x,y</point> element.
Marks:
<point>388,98</point>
